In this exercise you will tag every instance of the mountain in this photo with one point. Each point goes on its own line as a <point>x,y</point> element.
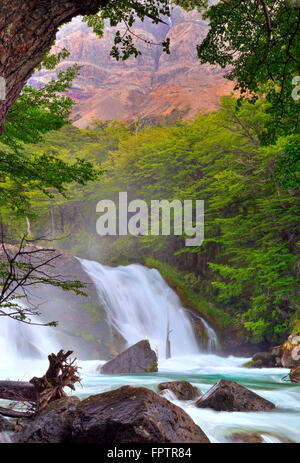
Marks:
<point>152,85</point>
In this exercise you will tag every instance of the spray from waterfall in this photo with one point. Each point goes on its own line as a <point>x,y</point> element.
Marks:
<point>21,341</point>
<point>140,305</point>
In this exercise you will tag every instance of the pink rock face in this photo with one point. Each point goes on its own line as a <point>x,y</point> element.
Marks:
<point>153,85</point>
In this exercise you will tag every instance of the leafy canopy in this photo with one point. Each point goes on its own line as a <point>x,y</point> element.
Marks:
<point>258,42</point>
<point>36,112</point>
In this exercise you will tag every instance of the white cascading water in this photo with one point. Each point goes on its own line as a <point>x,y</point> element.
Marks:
<point>140,305</point>
<point>212,340</point>
<point>19,340</point>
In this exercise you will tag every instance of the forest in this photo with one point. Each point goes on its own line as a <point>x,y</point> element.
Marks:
<point>248,265</point>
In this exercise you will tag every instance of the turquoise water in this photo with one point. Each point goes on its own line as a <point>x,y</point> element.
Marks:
<point>279,425</point>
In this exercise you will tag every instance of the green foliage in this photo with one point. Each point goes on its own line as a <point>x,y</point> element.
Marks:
<point>125,13</point>
<point>35,113</point>
<point>246,272</point>
<point>189,295</point>
<point>259,43</point>
<point>287,168</point>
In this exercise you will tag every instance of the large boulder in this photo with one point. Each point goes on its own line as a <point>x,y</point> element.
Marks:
<point>133,415</point>
<point>270,359</point>
<point>139,358</point>
<point>291,351</point>
<point>52,425</point>
<point>183,390</point>
<point>232,397</point>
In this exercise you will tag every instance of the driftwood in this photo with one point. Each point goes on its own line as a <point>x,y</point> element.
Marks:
<point>38,392</point>
<point>18,391</point>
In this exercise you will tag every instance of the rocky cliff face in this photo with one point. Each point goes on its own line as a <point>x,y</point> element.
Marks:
<point>153,85</point>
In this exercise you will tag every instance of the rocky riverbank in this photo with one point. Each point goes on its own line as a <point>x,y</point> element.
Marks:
<point>130,415</point>
<point>285,356</point>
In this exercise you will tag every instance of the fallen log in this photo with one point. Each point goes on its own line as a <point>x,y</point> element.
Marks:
<point>11,413</point>
<point>18,391</point>
<point>38,392</point>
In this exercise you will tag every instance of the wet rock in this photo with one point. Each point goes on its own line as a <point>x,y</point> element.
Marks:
<point>52,425</point>
<point>295,375</point>
<point>291,351</point>
<point>265,358</point>
<point>232,397</point>
<point>139,358</point>
<point>133,415</point>
<point>257,437</point>
<point>6,425</point>
<point>253,364</point>
<point>270,359</point>
<point>246,438</point>
<point>183,390</point>
<point>277,354</point>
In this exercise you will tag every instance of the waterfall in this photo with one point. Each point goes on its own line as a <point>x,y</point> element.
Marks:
<point>19,340</point>
<point>140,305</point>
<point>212,340</point>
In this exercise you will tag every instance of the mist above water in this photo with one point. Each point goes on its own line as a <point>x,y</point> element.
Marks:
<point>22,341</point>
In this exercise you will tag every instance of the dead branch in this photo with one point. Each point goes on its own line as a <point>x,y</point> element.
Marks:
<point>38,392</point>
<point>22,267</point>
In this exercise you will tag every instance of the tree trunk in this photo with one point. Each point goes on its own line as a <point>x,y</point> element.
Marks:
<point>27,30</point>
<point>18,391</point>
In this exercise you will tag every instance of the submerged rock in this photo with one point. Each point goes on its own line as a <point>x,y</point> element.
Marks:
<point>183,390</point>
<point>139,358</point>
<point>257,437</point>
<point>246,438</point>
<point>232,397</point>
<point>133,415</point>
<point>52,425</point>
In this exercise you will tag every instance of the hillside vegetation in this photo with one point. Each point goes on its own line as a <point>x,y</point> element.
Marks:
<point>246,273</point>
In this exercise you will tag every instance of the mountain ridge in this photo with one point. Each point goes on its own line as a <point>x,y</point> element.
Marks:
<point>154,85</point>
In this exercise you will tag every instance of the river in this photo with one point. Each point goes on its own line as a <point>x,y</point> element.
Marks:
<point>140,305</point>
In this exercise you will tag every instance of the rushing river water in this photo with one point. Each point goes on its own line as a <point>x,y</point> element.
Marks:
<point>140,305</point>
<point>279,425</point>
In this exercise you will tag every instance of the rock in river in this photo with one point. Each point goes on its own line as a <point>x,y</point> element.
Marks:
<point>52,425</point>
<point>183,390</point>
<point>133,415</point>
<point>291,351</point>
<point>139,358</point>
<point>232,397</point>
